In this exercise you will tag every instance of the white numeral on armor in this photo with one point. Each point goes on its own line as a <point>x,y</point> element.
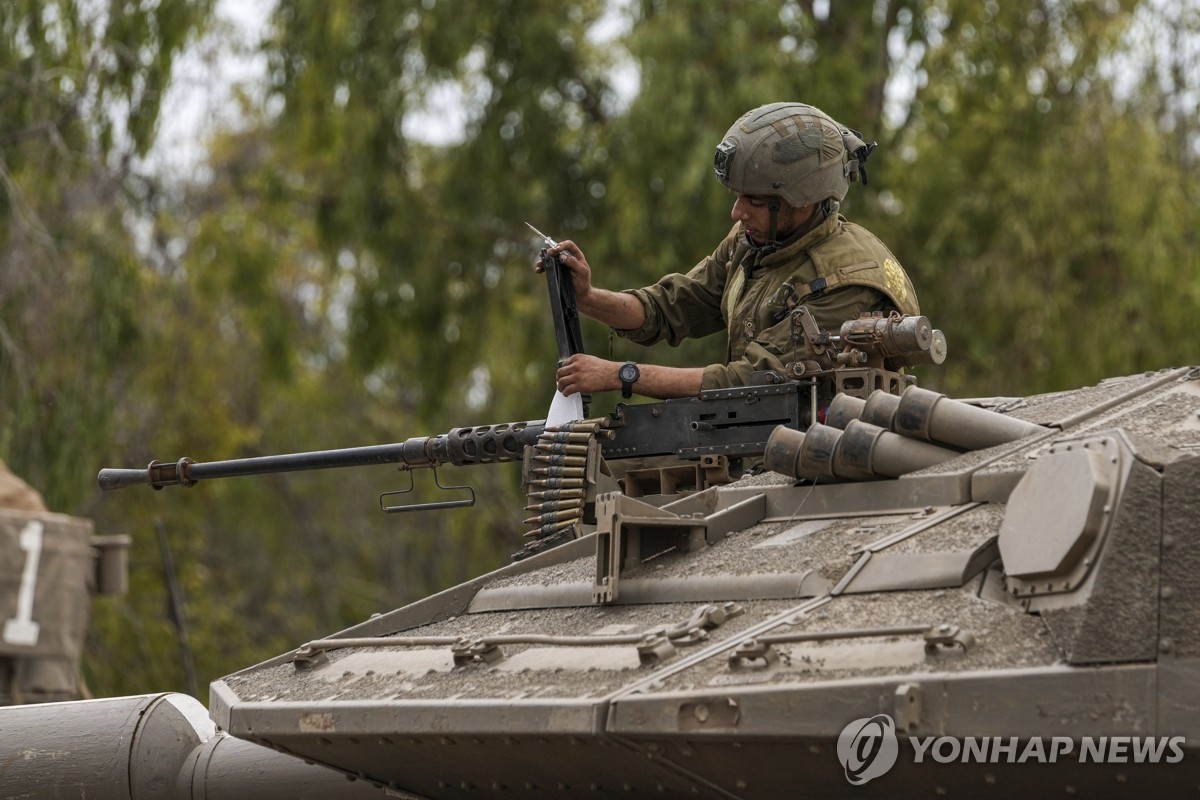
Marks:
<point>21,629</point>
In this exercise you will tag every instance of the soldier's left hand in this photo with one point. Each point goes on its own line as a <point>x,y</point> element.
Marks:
<point>584,373</point>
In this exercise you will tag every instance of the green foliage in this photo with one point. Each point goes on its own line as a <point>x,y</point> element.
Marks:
<point>80,89</point>
<point>1043,210</point>
<point>352,268</point>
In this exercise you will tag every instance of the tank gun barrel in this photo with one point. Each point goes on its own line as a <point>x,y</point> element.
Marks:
<point>479,444</point>
<point>150,746</point>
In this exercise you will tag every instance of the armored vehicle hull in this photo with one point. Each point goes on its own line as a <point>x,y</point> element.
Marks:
<point>1045,589</point>
<point>1020,617</point>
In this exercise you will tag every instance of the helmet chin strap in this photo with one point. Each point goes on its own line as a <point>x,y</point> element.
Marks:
<point>773,206</point>
<point>772,244</point>
<point>759,251</point>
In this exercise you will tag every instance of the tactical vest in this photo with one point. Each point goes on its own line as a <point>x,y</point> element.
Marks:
<point>836,253</point>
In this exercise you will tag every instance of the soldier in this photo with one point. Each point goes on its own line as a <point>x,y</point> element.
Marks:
<point>789,165</point>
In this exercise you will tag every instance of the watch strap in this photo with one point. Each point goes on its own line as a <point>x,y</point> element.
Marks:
<point>627,385</point>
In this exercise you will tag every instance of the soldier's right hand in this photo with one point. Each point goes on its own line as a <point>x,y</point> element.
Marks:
<point>573,259</point>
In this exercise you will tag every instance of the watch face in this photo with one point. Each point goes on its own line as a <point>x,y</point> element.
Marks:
<point>629,373</point>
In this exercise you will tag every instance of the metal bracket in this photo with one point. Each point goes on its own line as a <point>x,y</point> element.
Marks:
<point>716,470</point>
<point>714,616</point>
<point>907,710</point>
<point>631,531</point>
<point>753,654</point>
<point>308,657</point>
<point>945,637</point>
<point>861,381</point>
<point>658,647</point>
<point>655,650</point>
<point>468,651</point>
<point>434,506</point>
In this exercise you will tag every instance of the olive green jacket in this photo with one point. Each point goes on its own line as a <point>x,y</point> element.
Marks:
<point>837,270</point>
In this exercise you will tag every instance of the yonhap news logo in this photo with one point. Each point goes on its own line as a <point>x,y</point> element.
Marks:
<point>869,747</point>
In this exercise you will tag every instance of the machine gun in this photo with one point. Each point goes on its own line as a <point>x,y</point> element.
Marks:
<point>676,446</point>
<point>671,447</point>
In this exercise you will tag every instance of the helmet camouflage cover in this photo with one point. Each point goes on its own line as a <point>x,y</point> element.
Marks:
<point>791,150</point>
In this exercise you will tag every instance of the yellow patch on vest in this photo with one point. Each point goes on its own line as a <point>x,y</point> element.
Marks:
<point>893,276</point>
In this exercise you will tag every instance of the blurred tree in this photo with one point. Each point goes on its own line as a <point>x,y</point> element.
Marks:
<point>81,85</point>
<point>80,88</point>
<point>352,266</point>
<point>1047,216</point>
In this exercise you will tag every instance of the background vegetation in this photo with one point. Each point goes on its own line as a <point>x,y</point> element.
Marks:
<point>348,267</point>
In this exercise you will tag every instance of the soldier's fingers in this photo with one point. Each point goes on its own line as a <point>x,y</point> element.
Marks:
<point>568,249</point>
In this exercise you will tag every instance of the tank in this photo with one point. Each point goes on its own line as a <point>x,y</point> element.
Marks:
<point>888,593</point>
<point>51,567</point>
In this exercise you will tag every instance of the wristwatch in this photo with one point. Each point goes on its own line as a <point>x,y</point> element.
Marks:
<point>629,373</point>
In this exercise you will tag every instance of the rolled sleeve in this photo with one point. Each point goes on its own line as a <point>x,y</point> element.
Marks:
<point>680,307</point>
<point>648,332</point>
<point>737,373</point>
<point>684,306</point>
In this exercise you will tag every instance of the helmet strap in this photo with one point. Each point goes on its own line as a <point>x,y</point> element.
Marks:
<point>773,206</point>
<point>827,207</point>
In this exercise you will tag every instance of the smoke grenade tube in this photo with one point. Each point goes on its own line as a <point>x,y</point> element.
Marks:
<point>933,417</point>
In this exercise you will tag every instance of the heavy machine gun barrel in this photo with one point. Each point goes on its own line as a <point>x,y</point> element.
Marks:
<point>479,444</point>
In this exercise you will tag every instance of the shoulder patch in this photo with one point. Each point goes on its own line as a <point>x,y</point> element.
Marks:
<point>893,276</point>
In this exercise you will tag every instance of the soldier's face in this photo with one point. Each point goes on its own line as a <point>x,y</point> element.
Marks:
<point>753,212</point>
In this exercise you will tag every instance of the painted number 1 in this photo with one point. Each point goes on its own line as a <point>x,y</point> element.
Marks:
<point>21,629</point>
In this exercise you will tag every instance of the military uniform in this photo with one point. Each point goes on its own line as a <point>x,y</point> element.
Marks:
<point>837,270</point>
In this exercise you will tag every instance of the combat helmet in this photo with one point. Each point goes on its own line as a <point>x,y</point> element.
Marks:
<point>793,151</point>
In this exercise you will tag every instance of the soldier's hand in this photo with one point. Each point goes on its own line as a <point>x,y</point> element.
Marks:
<point>574,260</point>
<point>584,373</point>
